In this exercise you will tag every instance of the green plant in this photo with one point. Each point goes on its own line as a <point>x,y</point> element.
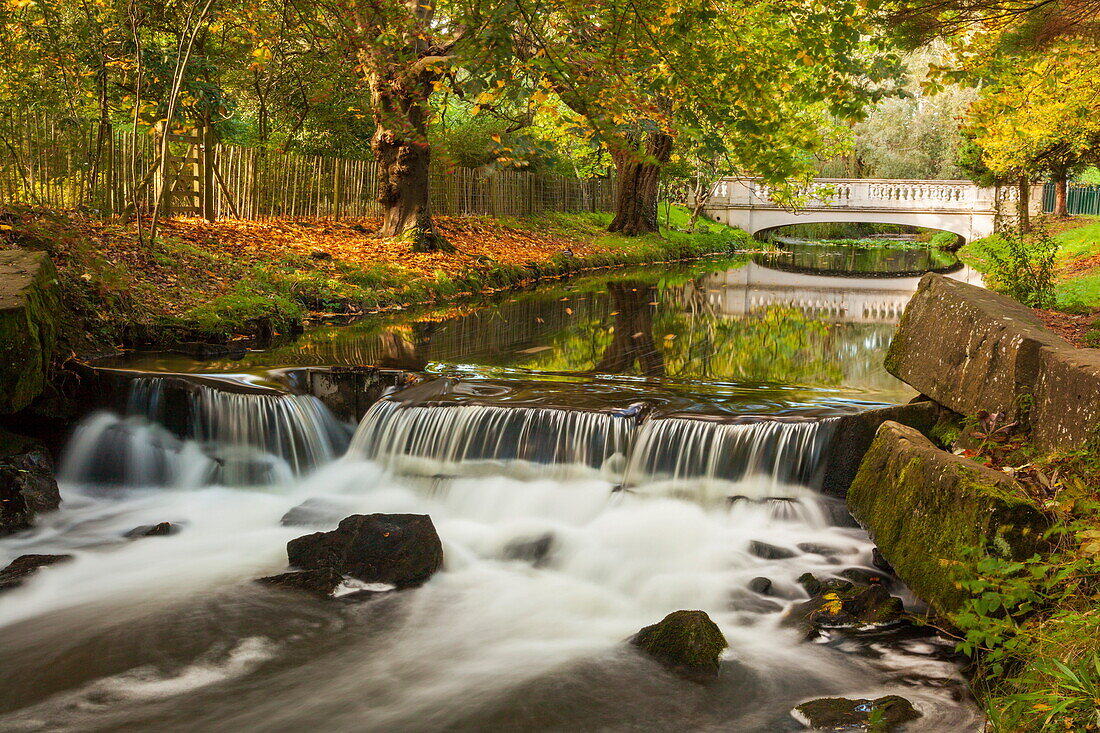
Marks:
<point>1022,266</point>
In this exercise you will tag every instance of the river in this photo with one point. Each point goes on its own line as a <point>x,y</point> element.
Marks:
<point>594,453</point>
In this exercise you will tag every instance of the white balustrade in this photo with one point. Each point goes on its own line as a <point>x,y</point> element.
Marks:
<point>825,193</point>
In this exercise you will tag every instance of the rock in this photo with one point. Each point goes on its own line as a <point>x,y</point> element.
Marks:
<point>880,562</point>
<point>1066,409</point>
<point>320,582</point>
<point>863,576</point>
<point>853,434</point>
<point>841,713</point>
<point>969,348</point>
<point>535,551</point>
<point>818,549</point>
<point>842,604</point>
<point>761,585</point>
<point>926,508</point>
<point>27,483</point>
<point>29,309</point>
<point>163,529</point>
<point>686,642</point>
<point>25,566</point>
<point>402,550</point>
<point>315,512</point>
<point>769,552</point>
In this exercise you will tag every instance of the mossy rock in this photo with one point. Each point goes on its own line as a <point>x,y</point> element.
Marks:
<point>841,604</point>
<point>687,642</point>
<point>29,311</point>
<point>933,514</point>
<point>841,713</point>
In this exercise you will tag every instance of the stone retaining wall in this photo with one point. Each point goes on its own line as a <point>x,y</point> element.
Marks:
<point>28,326</point>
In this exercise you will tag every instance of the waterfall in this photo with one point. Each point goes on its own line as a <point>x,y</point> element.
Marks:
<point>705,458</point>
<point>194,435</point>
<point>757,459</point>
<point>430,440</point>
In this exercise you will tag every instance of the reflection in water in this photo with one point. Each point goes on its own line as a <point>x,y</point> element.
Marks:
<point>848,260</point>
<point>702,327</point>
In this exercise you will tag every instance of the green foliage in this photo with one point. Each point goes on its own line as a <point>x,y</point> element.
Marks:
<point>1021,266</point>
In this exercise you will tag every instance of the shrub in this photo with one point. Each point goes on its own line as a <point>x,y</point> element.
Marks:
<point>1022,266</point>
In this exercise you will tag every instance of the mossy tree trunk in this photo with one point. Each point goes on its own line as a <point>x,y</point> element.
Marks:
<point>638,168</point>
<point>1023,204</point>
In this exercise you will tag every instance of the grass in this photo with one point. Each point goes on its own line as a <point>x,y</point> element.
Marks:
<point>1032,628</point>
<point>232,280</point>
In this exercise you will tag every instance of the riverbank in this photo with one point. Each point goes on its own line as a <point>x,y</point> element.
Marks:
<point>225,281</point>
<point>1074,315</point>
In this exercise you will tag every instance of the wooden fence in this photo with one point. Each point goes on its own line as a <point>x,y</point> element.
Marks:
<point>68,165</point>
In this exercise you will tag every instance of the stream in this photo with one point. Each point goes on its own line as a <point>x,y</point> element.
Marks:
<point>594,454</point>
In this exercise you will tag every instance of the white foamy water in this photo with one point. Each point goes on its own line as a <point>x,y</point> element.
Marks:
<point>523,629</point>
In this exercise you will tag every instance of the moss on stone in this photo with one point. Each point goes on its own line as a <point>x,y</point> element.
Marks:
<point>688,642</point>
<point>28,326</point>
<point>934,514</point>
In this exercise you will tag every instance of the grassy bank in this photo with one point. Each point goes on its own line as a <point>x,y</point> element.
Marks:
<point>1075,272</point>
<point>1033,627</point>
<point>221,281</point>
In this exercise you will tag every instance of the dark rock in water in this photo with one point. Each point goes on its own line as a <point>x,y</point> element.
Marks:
<point>163,529</point>
<point>27,484</point>
<point>321,582</point>
<point>747,602</point>
<point>402,550</point>
<point>687,642</point>
<point>315,512</point>
<point>880,562</point>
<point>769,552</point>
<point>863,576</point>
<point>818,549</point>
<point>761,585</point>
<point>24,567</point>
<point>840,604</point>
<point>841,713</point>
<point>535,550</point>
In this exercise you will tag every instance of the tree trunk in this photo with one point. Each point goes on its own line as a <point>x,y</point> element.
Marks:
<point>1061,190</point>
<point>632,341</point>
<point>636,189</point>
<point>401,149</point>
<point>1022,205</point>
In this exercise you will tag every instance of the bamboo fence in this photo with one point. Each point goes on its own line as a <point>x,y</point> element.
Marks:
<point>74,165</point>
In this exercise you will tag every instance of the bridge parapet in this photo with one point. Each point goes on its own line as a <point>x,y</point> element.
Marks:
<point>961,207</point>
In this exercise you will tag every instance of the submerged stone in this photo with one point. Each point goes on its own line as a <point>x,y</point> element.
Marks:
<point>769,552</point>
<point>844,714</point>
<point>24,567</point>
<point>761,585</point>
<point>535,550</point>
<point>162,529</point>
<point>320,582</point>
<point>687,642</point>
<point>402,550</point>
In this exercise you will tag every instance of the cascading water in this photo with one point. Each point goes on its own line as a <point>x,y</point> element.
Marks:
<point>549,566</point>
<point>222,437</point>
<point>429,440</point>
<point>703,457</point>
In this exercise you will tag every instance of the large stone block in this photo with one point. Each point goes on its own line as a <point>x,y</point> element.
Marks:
<point>968,348</point>
<point>1066,409</point>
<point>933,514</point>
<point>854,433</point>
<point>28,326</point>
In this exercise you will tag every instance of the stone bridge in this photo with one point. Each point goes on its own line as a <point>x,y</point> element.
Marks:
<point>960,207</point>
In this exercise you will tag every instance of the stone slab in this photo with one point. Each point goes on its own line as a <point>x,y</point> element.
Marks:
<point>28,326</point>
<point>1065,414</point>
<point>933,514</point>
<point>854,433</point>
<point>968,348</point>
